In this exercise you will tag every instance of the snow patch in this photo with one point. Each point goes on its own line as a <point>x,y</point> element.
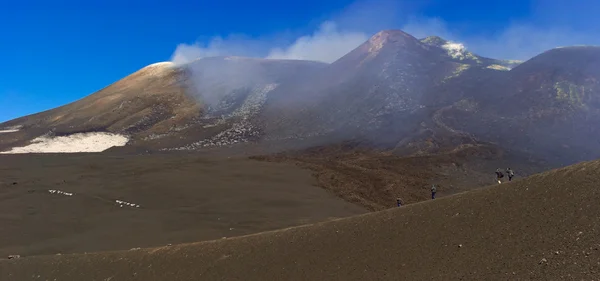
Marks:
<point>121,203</point>
<point>457,72</point>
<point>54,191</point>
<point>162,64</point>
<point>11,129</point>
<point>455,50</point>
<point>81,142</point>
<point>498,67</point>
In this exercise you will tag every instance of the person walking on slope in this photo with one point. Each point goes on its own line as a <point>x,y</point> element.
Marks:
<point>499,175</point>
<point>510,174</point>
<point>399,202</point>
<point>433,191</point>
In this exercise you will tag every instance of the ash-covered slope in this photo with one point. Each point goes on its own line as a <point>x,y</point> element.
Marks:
<point>148,98</point>
<point>233,92</point>
<point>164,105</point>
<point>387,91</point>
<point>544,227</point>
<point>383,79</point>
<point>549,105</point>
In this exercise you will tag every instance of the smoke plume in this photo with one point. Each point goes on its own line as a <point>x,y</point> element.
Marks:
<point>326,45</point>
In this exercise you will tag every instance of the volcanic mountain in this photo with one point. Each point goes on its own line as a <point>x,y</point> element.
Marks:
<point>383,90</point>
<point>395,92</point>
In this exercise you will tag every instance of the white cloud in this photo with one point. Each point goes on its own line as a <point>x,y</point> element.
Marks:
<point>185,53</point>
<point>232,45</point>
<point>327,45</point>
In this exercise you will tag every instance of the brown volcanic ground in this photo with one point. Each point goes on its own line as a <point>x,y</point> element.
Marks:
<point>201,196</point>
<point>545,227</point>
<point>182,198</point>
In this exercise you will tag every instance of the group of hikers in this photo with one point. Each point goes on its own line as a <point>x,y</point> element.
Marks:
<point>499,175</point>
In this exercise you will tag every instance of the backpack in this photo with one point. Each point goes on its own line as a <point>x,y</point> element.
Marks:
<point>500,175</point>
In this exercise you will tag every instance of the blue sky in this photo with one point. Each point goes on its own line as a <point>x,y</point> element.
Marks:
<point>55,52</point>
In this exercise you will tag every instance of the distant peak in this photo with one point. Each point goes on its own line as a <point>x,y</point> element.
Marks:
<point>237,58</point>
<point>392,34</point>
<point>385,37</point>
<point>576,47</point>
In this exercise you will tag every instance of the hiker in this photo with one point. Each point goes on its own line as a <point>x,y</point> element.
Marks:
<point>499,175</point>
<point>433,191</point>
<point>510,174</point>
<point>399,202</point>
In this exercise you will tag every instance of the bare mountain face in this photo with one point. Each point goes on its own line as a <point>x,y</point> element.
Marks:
<point>388,91</point>
<point>146,99</point>
<point>167,106</point>
<point>549,105</point>
<point>233,91</point>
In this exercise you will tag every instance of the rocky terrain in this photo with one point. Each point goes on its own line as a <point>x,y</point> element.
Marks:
<point>544,227</point>
<point>545,106</point>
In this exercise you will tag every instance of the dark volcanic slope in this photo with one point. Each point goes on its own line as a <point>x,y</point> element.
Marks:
<point>549,105</point>
<point>383,89</point>
<point>545,227</point>
<point>379,85</point>
<point>182,198</point>
<point>374,179</point>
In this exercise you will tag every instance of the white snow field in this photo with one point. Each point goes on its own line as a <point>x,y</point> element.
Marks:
<point>81,142</point>
<point>10,129</point>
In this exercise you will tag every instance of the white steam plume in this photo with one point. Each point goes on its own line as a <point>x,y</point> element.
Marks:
<point>326,45</point>
<point>232,45</point>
